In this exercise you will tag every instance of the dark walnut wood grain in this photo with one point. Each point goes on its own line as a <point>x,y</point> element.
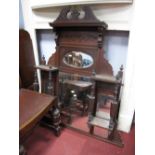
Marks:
<point>32,107</point>
<point>26,59</point>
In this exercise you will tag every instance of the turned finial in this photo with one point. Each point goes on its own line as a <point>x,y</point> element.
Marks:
<point>43,61</point>
<point>121,68</point>
<point>119,75</point>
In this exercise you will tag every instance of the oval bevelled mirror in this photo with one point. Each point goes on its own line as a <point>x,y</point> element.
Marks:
<point>78,59</point>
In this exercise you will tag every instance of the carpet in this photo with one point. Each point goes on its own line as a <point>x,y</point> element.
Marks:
<point>43,142</point>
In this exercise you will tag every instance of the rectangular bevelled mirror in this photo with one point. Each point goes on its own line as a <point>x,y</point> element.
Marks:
<point>74,99</point>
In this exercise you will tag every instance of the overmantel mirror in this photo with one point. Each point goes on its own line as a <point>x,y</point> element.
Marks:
<point>80,57</point>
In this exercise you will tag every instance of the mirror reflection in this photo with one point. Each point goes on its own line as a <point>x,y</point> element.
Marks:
<point>77,103</point>
<point>78,59</point>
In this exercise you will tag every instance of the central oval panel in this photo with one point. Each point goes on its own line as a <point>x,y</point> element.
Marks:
<point>78,59</point>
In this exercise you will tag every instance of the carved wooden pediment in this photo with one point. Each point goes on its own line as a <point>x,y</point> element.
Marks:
<point>77,16</point>
<point>78,29</point>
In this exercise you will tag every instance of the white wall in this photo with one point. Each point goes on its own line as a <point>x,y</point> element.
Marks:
<point>117,16</point>
<point>21,20</point>
<point>116,48</point>
<point>47,3</point>
<point>46,43</point>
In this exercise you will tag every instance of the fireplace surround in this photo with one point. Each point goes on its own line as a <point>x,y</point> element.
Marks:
<point>118,17</point>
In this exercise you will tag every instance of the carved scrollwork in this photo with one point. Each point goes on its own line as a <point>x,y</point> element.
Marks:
<point>81,37</point>
<point>75,13</point>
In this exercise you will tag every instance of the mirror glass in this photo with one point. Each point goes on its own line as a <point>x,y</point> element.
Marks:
<point>76,99</point>
<point>78,59</point>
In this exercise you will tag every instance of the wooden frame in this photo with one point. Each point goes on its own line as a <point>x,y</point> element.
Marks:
<point>86,35</point>
<point>80,34</point>
<point>85,71</point>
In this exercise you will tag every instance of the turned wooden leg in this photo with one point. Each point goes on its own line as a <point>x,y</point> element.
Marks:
<point>113,122</point>
<point>58,131</point>
<point>91,129</point>
<point>50,85</point>
<point>112,133</point>
<point>56,120</point>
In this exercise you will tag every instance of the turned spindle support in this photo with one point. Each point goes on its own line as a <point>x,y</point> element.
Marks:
<point>50,84</point>
<point>35,83</point>
<point>43,60</point>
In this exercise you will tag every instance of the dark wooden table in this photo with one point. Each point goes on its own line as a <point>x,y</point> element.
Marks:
<point>32,107</point>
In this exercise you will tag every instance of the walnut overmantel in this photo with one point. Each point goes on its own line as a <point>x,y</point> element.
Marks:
<point>80,33</point>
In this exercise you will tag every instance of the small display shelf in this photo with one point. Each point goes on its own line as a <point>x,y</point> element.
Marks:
<point>49,79</point>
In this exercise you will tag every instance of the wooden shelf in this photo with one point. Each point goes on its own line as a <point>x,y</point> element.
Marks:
<point>100,122</point>
<point>108,96</point>
<point>105,78</point>
<point>46,68</point>
<point>77,83</point>
<point>103,115</point>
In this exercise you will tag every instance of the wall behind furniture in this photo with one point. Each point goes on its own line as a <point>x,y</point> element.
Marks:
<point>45,42</point>
<point>21,20</point>
<point>116,48</point>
